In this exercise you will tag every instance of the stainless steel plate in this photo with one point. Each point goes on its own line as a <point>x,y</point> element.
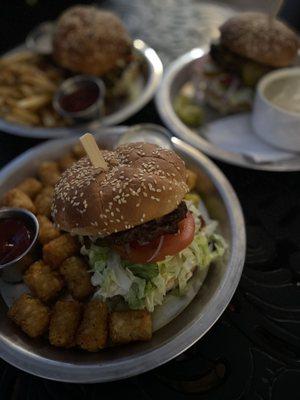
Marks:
<point>180,73</point>
<point>38,358</point>
<point>148,86</point>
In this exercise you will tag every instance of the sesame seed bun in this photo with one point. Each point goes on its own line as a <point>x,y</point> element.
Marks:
<point>250,35</point>
<point>143,182</point>
<point>90,41</point>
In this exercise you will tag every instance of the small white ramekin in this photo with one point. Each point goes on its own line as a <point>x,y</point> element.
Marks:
<point>273,124</point>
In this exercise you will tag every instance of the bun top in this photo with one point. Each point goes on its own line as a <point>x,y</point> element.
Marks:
<point>250,35</point>
<point>88,40</point>
<point>143,182</point>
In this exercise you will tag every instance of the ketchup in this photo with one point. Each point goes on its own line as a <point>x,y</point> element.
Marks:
<point>15,238</point>
<point>80,99</point>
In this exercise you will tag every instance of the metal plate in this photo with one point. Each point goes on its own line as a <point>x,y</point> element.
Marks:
<point>154,71</point>
<point>38,358</point>
<point>178,74</point>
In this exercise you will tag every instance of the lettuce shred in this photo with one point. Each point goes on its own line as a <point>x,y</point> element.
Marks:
<point>143,286</point>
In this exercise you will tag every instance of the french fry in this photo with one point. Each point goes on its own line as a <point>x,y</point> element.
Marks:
<point>16,119</point>
<point>49,118</point>
<point>11,102</point>
<point>40,81</point>
<point>27,90</point>
<point>21,56</point>
<point>27,86</point>
<point>27,116</point>
<point>7,91</point>
<point>34,102</point>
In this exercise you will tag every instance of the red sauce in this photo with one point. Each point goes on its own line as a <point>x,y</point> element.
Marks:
<point>15,238</point>
<point>80,99</point>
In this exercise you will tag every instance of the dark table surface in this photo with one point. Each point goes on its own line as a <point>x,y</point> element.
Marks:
<point>253,351</point>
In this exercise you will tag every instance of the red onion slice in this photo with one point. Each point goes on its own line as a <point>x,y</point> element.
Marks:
<point>158,249</point>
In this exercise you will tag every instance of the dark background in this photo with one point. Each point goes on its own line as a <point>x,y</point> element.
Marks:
<point>253,352</point>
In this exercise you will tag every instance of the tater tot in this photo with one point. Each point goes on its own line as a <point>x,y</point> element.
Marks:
<point>29,259</point>
<point>191,179</point>
<point>47,231</point>
<point>78,279</point>
<point>43,282</point>
<point>59,249</point>
<point>78,150</point>
<point>31,187</point>
<point>66,161</point>
<point>64,322</point>
<point>92,332</point>
<point>43,201</point>
<point>130,326</point>
<point>48,172</point>
<point>17,198</point>
<point>30,314</point>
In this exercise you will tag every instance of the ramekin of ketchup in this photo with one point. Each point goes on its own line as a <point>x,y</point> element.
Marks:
<point>19,230</point>
<point>80,98</point>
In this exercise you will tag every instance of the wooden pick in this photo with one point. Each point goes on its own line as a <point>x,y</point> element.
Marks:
<point>92,150</point>
<point>274,10</point>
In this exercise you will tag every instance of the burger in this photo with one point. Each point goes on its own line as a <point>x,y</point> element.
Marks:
<point>90,41</point>
<point>249,47</point>
<point>141,235</point>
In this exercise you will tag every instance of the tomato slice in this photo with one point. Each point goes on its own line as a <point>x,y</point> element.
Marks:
<point>165,245</point>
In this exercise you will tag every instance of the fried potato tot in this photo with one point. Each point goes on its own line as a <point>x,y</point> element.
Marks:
<point>78,279</point>
<point>78,150</point>
<point>59,249</point>
<point>30,314</point>
<point>43,282</point>
<point>64,322</point>
<point>47,231</point>
<point>17,198</point>
<point>92,332</point>
<point>43,201</point>
<point>191,179</point>
<point>29,259</point>
<point>31,187</point>
<point>66,161</point>
<point>48,172</point>
<point>130,326</point>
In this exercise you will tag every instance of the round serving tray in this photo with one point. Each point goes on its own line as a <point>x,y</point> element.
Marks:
<point>149,85</point>
<point>39,358</point>
<point>180,73</point>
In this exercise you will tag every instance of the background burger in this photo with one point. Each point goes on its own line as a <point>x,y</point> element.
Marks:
<point>248,48</point>
<point>91,41</point>
<point>141,236</point>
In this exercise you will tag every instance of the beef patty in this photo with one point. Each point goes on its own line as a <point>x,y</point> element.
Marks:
<point>149,230</point>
